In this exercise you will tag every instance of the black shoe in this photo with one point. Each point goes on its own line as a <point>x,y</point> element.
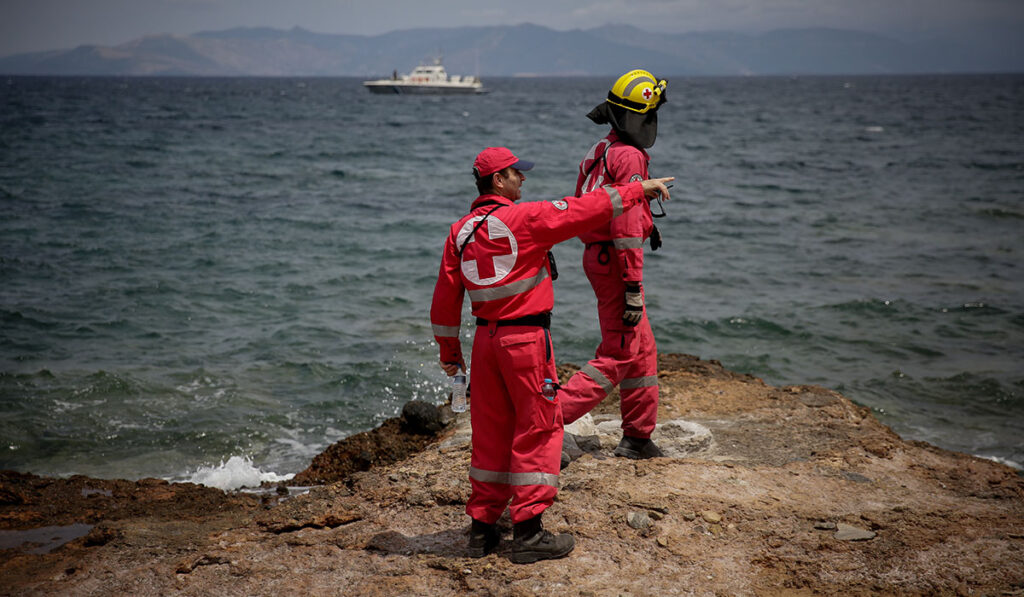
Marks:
<point>531,543</point>
<point>637,448</point>
<point>483,539</point>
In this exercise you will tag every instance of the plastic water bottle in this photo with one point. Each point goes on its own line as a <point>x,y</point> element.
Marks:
<point>548,389</point>
<point>459,403</point>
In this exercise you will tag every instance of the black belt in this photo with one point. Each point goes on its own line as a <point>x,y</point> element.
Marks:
<point>542,320</point>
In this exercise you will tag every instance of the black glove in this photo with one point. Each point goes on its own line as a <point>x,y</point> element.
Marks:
<point>634,304</point>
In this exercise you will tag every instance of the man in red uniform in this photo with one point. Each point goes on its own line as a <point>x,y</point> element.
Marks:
<point>614,263</point>
<point>498,253</point>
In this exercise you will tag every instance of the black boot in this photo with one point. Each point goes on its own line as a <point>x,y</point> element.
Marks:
<point>637,448</point>
<point>483,538</point>
<point>530,543</point>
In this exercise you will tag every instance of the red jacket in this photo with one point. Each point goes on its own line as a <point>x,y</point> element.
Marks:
<point>504,264</point>
<point>612,161</point>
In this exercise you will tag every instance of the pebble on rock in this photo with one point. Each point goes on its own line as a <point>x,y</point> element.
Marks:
<point>711,516</point>
<point>845,532</point>
<point>638,520</point>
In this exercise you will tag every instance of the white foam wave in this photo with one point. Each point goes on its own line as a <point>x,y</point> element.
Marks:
<point>236,473</point>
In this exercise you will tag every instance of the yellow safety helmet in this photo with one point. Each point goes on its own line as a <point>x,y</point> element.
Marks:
<point>639,91</point>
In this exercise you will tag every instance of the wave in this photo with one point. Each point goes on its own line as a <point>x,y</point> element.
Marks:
<point>997,212</point>
<point>236,473</point>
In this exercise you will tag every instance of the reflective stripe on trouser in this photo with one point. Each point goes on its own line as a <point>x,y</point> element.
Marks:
<point>517,433</point>
<point>627,357</point>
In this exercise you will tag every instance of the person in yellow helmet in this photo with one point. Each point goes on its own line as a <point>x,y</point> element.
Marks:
<point>614,261</point>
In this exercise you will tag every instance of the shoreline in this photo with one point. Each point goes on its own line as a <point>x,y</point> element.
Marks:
<point>766,490</point>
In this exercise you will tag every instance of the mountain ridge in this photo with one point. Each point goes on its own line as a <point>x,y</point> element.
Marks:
<point>524,49</point>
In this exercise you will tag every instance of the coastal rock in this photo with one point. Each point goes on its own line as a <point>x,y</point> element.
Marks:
<point>421,418</point>
<point>389,443</point>
<point>388,516</point>
<point>638,520</point>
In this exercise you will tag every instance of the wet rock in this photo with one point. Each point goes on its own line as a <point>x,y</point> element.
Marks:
<point>362,451</point>
<point>100,535</point>
<point>421,418</point>
<point>10,496</point>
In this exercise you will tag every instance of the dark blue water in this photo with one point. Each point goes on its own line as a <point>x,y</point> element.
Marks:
<point>204,271</point>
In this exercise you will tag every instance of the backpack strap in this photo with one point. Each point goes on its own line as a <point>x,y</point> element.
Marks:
<point>475,228</point>
<point>603,159</point>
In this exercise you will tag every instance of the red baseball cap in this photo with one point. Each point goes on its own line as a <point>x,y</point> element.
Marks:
<point>493,159</point>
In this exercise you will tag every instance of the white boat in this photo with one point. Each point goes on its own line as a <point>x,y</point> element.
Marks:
<point>426,79</point>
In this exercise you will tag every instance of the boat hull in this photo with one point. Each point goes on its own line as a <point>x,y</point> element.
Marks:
<point>399,88</point>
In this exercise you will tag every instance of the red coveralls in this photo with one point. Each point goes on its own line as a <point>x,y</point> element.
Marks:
<point>517,433</point>
<point>627,356</point>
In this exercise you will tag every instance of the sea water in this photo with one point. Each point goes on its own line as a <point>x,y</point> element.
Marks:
<point>215,279</point>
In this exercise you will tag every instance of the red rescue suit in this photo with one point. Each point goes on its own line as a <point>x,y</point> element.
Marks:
<point>517,432</point>
<point>627,356</point>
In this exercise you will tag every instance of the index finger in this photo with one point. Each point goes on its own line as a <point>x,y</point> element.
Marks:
<point>664,181</point>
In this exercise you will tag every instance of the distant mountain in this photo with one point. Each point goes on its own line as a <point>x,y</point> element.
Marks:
<point>525,50</point>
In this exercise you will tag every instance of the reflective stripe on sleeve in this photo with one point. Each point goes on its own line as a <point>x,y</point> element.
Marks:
<point>633,242</point>
<point>500,292</point>
<point>484,476</point>
<point>599,377</point>
<point>639,382</point>
<point>446,331</point>
<point>616,198</point>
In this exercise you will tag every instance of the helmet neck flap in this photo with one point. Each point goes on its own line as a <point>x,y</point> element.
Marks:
<point>639,130</point>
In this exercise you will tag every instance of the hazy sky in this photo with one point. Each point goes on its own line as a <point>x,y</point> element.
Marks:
<point>30,25</point>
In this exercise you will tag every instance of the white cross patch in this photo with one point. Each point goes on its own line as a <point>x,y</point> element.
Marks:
<point>487,266</point>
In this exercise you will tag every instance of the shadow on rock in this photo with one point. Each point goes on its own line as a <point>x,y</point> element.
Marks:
<point>448,543</point>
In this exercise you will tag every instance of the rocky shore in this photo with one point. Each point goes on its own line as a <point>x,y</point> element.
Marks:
<point>764,491</point>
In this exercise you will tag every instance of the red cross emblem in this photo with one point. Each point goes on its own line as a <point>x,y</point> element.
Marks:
<point>491,253</point>
<point>648,93</point>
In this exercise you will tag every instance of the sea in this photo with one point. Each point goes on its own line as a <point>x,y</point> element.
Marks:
<point>214,279</point>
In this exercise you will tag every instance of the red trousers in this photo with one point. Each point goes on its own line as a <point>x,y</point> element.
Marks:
<point>627,356</point>
<point>517,432</point>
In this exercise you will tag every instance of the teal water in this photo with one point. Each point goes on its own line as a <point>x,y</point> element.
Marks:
<point>201,271</point>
